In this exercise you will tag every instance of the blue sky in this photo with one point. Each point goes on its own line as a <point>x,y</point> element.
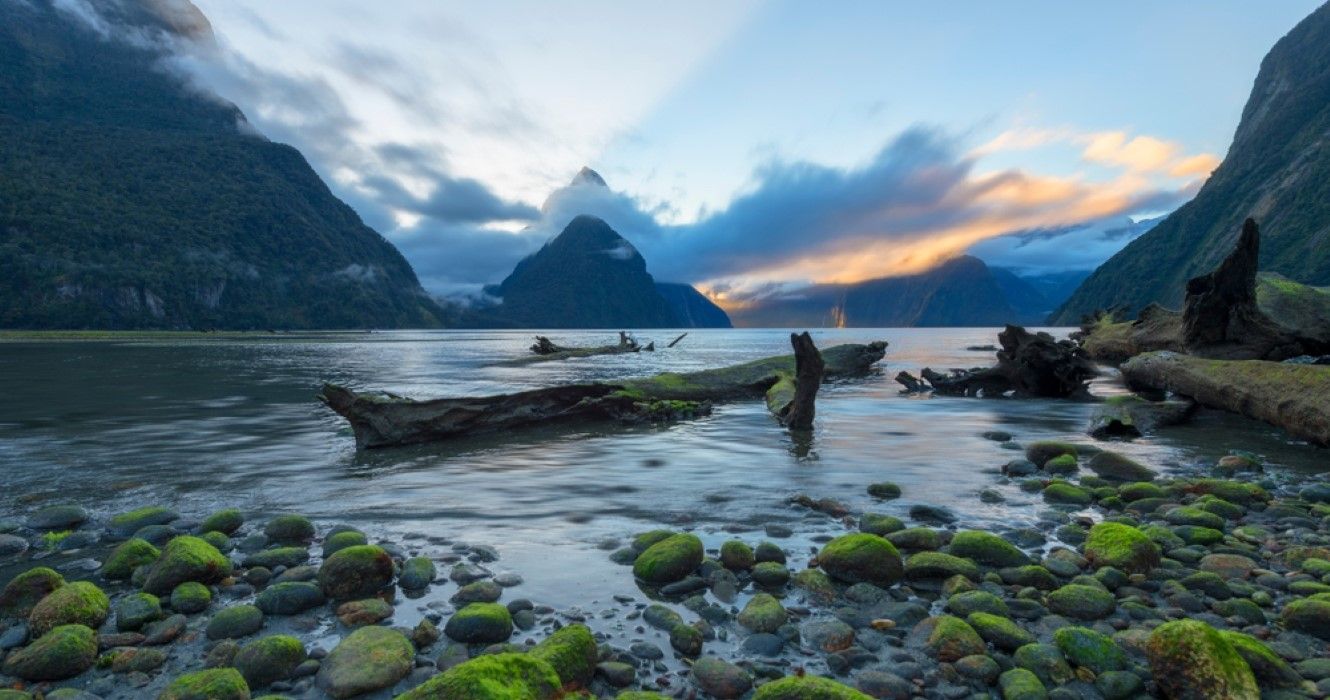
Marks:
<point>908,131</point>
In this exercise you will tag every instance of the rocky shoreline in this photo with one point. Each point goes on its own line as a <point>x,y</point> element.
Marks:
<point>1131,585</point>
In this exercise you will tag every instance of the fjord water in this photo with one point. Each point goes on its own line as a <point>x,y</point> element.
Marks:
<point>199,424</point>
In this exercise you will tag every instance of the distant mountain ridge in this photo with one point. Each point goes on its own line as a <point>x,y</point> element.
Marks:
<point>962,291</point>
<point>1277,171</point>
<point>128,200</point>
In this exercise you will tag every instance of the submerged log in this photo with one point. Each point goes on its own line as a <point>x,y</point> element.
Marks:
<point>383,420</point>
<point>1029,364</point>
<point>676,340</point>
<point>1294,397</point>
<point>808,368</point>
<point>545,350</point>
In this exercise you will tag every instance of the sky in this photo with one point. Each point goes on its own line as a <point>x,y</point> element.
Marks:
<point>748,145</point>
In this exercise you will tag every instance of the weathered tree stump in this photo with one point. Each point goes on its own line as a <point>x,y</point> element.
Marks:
<point>808,369</point>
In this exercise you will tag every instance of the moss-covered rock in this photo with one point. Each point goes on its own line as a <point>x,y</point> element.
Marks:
<point>1121,547</point>
<point>966,602</point>
<point>135,610</point>
<point>1046,662</point>
<point>770,574</point>
<point>1139,490</point>
<point>938,566</point>
<point>277,556</point>
<point>1187,515</point>
<point>986,548</point>
<point>815,584</point>
<point>265,661</point>
<point>480,623</point>
<point>686,639</point>
<point>1270,669</point>
<point>225,521</point>
<point>807,688</point>
<point>736,556</point>
<point>1082,602</point>
<point>369,611</point>
<point>1062,464</point>
<point>999,631</point>
<point>1042,451</point>
<point>1191,660</point>
<point>948,638</point>
<point>289,598</point>
<point>338,541</point>
<point>1090,649</point>
<point>1310,615</point>
<point>884,490</point>
<point>1032,576</point>
<point>368,659</point>
<point>78,603</point>
<point>190,597</point>
<point>62,652</point>
<point>1062,492</point>
<point>289,529</point>
<point>185,558</point>
<point>497,676</point>
<point>129,555</point>
<point>356,572</point>
<point>880,524</point>
<point>1116,467</point>
<point>234,622</point>
<point>643,540</point>
<point>669,560</point>
<point>763,613</point>
<point>23,593</point>
<point>212,684</point>
<point>861,558</point>
<point>417,574</point>
<point>571,652</point>
<point>1241,492</point>
<point>126,524</point>
<point>916,539</point>
<point>1021,684</point>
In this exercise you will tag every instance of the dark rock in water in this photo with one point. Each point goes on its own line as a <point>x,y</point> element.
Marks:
<point>289,598</point>
<point>57,518</point>
<point>1132,416</point>
<point>932,514</point>
<point>1309,360</point>
<point>1220,317</point>
<point>10,545</point>
<point>912,384</point>
<point>1029,364</point>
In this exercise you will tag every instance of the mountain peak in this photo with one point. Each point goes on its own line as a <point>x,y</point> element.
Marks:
<point>587,176</point>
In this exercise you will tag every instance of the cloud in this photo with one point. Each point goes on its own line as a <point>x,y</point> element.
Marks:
<point>1063,249</point>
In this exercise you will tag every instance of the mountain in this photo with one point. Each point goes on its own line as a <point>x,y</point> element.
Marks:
<point>1030,304</point>
<point>960,292</point>
<point>591,277</point>
<point>692,308</point>
<point>131,200</point>
<point>1277,171</point>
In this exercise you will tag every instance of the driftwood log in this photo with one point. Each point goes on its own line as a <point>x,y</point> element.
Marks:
<point>1294,397</point>
<point>1029,364</point>
<point>799,411</point>
<point>383,420</point>
<point>546,350</point>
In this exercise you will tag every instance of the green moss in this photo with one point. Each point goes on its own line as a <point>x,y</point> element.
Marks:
<point>999,631</point>
<point>280,556</point>
<point>1062,464</point>
<point>134,520</point>
<point>212,684</point>
<point>235,621</point>
<point>129,555</point>
<point>1121,547</point>
<point>915,538</point>
<point>861,558</point>
<point>966,602</point>
<point>1310,615</point>
<point>807,688</point>
<point>1190,659</point>
<point>81,603</point>
<point>669,560</point>
<point>884,490</point>
<point>1195,534</point>
<point>880,524</point>
<point>1022,684</point>
<point>1090,649</point>
<point>494,677</point>
<point>1139,490</point>
<point>225,521</point>
<point>938,565</point>
<point>51,540</point>
<point>480,623</point>
<point>289,529</point>
<point>1082,602</point>
<point>763,613</point>
<point>1044,450</point>
<point>356,572</point>
<point>341,540</point>
<point>645,539</point>
<point>986,548</point>
<point>571,652</point>
<point>270,659</point>
<point>58,653</point>
<point>369,659</point>
<point>190,597</point>
<point>1269,668</point>
<point>815,584</point>
<point>736,556</point>
<point>25,590</point>
<point>218,540</point>
<point>185,558</point>
<point>1187,515</point>
<point>1241,492</point>
<point>1062,492</point>
<point>951,638</point>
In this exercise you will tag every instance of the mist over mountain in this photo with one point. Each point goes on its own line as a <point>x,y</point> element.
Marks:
<point>129,199</point>
<point>1277,171</point>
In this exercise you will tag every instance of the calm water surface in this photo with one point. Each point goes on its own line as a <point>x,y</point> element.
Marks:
<point>202,424</point>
